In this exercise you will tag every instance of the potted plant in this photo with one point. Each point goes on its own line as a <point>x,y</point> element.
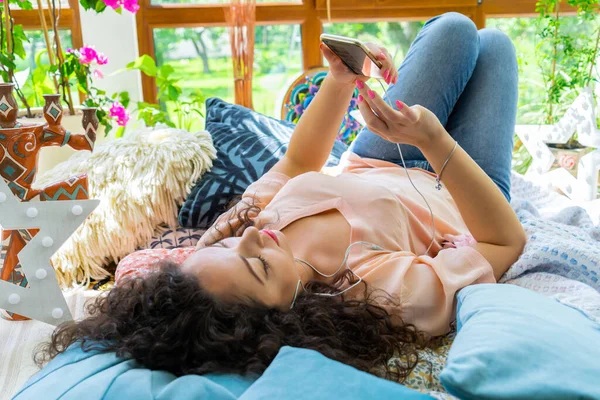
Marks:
<point>67,72</point>
<point>67,69</point>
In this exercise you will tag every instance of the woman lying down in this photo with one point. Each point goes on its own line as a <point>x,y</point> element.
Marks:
<point>344,265</point>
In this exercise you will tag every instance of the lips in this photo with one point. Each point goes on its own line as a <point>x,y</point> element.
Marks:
<point>271,234</point>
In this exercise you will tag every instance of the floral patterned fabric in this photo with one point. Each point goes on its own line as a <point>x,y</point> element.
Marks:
<point>141,263</point>
<point>167,244</point>
<point>426,376</point>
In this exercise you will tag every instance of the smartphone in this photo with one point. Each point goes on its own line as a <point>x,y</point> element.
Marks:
<point>354,54</point>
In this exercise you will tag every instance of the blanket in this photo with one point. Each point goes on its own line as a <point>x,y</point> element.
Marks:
<point>561,260</point>
<point>562,255</point>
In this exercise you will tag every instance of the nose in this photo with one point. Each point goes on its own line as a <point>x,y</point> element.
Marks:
<point>251,241</point>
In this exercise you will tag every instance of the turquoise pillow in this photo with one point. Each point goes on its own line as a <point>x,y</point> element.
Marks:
<point>302,374</point>
<point>514,343</point>
<point>76,375</point>
<point>294,374</point>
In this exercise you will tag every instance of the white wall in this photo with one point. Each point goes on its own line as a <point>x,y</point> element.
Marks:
<point>114,35</point>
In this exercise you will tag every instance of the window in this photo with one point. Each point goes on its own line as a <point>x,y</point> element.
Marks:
<point>215,2</point>
<point>534,68</point>
<point>395,36</point>
<point>277,61</point>
<point>201,58</point>
<point>32,74</point>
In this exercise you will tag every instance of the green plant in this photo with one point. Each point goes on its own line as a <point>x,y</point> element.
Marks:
<point>566,54</point>
<point>566,59</point>
<point>78,67</point>
<point>186,107</point>
<point>12,39</point>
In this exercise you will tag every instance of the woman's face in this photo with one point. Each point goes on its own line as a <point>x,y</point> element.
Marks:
<point>259,265</point>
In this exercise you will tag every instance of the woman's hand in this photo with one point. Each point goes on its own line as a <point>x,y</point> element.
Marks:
<point>414,125</point>
<point>342,74</point>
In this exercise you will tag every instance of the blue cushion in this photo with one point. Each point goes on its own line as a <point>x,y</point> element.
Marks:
<point>294,374</point>
<point>248,144</point>
<point>76,375</point>
<point>514,343</point>
<point>306,374</point>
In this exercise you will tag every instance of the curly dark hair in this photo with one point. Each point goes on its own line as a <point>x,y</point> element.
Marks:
<point>168,321</point>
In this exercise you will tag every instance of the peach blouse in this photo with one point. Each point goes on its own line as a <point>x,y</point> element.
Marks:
<point>382,207</point>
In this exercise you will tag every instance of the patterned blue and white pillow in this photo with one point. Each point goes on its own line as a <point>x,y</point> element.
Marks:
<point>248,144</point>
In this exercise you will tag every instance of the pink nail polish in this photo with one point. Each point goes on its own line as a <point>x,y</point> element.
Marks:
<point>399,105</point>
<point>371,94</point>
<point>382,56</point>
<point>385,74</point>
<point>360,98</point>
<point>360,84</point>
<point>395,80</point>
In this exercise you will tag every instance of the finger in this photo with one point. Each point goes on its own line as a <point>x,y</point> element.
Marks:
<point>366,92</point>
<point>388,70</point>
<point>385,68</point>
<point>379,105</point>
<point>394,77</point>
<point>329,55</point>
<point>373,122</point>
<point>408,112</point>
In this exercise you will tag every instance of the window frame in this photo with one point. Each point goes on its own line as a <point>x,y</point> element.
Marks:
<point>69,19</point>
<point>311,14</point>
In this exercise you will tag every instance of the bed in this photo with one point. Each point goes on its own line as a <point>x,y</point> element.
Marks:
<point>561,261</point>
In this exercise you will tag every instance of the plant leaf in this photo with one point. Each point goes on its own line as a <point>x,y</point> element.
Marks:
<point>144,63</point>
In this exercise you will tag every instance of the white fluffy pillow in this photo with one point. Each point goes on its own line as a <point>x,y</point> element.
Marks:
<point>140,180</point>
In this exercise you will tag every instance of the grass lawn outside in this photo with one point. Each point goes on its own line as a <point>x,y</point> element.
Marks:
<point>268,89</point>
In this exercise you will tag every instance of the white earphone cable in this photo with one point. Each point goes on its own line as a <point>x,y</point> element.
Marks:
<point>386,98</point>
<point>372,245</point>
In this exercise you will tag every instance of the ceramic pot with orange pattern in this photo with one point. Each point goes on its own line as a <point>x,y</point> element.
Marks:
<point>8,106</point>
<point>90,122</point>
<point>53,111</point>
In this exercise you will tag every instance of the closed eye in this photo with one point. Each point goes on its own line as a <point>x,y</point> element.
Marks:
<point>265,264</point>
<point>245,261</point>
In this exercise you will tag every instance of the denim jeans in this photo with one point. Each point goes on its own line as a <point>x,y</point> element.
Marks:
<point>469,80</point>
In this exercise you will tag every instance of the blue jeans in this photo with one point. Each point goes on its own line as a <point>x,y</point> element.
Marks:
<point>469,80</point>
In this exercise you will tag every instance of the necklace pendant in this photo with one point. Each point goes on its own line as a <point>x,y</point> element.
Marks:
<point>439,185</point>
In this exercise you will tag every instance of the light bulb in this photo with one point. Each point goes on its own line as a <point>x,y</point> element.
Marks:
<point>47,241</point>
<point>77,210</point>
<point>32,212</point>
<point>57,313</point>
<point>14,298</point>
<point>2,197</point>
<point>41,273</point>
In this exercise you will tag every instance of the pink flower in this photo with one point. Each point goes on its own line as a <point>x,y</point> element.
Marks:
<point>69,50</point>
<point>87,55</point>
<point>131,5</point>
<point>120,113</point>
<point>567,161</point>
<point>101,59</point>
<point>114,4</point>
<point>98,74</point>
